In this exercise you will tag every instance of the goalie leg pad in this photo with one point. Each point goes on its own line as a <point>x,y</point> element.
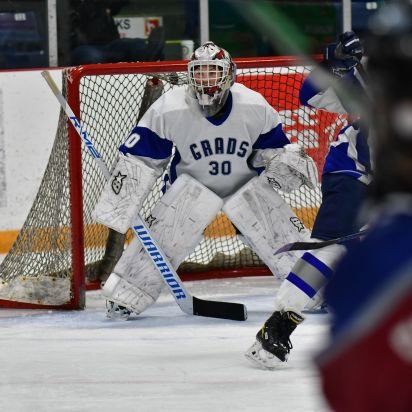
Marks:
<point>267,222</point>
<point>176,224</point>
<point>124,193</point>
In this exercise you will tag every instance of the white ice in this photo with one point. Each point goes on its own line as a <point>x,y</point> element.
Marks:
<point>163,360</point>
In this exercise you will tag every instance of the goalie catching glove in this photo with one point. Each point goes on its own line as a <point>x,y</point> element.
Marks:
<point>288,168</point>
<point>124,193</point>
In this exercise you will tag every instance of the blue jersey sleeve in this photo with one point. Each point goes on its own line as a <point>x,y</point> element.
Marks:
<point>318,91</point>
<point>273,139</point>
<point>146,143</point>
<point>307,91</point>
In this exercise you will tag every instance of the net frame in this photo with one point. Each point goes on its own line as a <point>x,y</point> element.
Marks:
<point>71,88</point>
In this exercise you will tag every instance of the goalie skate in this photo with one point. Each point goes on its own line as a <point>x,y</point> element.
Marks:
<point>116,311</point>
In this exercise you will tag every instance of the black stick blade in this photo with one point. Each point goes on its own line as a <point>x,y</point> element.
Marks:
<point>221,310</point>
<point>289,247</point>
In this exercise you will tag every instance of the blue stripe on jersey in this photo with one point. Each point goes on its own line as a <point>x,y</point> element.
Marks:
<point>338,160</point>
<point>362,148</point>
<point>258,170</point>
<point>309,88</point>
<point>273,139</point>
<point>318,264</point>
<point>175,161</point>
<point>218,120</point>
<point>301,284</point>
<point>307,91</point>
<point>343,130</point>
<point>148,144</point>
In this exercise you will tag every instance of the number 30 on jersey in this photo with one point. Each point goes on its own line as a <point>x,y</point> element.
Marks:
<point>224,168</point>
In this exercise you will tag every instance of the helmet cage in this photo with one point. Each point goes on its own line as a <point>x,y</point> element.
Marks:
<point>210,79</point>
<point>207,76</point>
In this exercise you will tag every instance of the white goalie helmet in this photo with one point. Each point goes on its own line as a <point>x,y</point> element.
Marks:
<point>211,73</point>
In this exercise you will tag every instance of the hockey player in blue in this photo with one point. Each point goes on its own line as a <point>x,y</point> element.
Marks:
<point>346,175</point>
<point>227,143</point>
<point>367,365</point>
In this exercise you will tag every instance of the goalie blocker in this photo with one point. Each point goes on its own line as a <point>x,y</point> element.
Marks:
<point>124,193</point>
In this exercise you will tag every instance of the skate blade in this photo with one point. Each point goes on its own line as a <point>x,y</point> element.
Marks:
<point>316,310</point>
<point>263,358</point>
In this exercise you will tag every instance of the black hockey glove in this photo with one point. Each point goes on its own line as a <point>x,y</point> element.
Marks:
<point>349,47</point>
<point>344,55</point>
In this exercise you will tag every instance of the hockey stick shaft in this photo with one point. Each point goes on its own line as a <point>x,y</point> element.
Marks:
<point>186,302</point>
<point>362,72</point>
<point>289,247</point>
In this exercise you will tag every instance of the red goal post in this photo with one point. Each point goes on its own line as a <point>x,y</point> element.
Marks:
<point>60,247</point>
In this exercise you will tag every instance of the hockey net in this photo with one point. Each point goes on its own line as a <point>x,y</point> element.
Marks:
<point>60,248</point>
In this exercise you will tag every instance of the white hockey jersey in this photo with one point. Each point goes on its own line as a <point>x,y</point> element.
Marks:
<point>222,153</point>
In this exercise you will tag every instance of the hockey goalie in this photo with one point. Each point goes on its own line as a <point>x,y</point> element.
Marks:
<point>230,154</point>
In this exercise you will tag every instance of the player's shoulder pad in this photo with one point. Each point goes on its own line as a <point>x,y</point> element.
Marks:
<point>170,101</point>
<point>243,94</point>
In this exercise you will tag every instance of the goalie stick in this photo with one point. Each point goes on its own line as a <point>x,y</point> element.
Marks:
<point>289,247</point>
<point>189,304</point>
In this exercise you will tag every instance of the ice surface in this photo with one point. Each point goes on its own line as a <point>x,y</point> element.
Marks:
<point>162,360</point>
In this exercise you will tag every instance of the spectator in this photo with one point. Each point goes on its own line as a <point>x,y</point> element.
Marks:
<point>95,37</point>
<point>93,29</point>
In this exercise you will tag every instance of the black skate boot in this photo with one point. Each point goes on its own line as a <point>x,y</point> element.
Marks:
<point>273,343</point>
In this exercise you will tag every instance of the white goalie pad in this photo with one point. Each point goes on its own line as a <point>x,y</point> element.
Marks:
<point>124,193</point>
<point>176,224</point>
<point>289,168</point>
<point>267,222</point>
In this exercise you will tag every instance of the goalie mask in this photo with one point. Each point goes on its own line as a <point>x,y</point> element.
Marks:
<point>211,74</point>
